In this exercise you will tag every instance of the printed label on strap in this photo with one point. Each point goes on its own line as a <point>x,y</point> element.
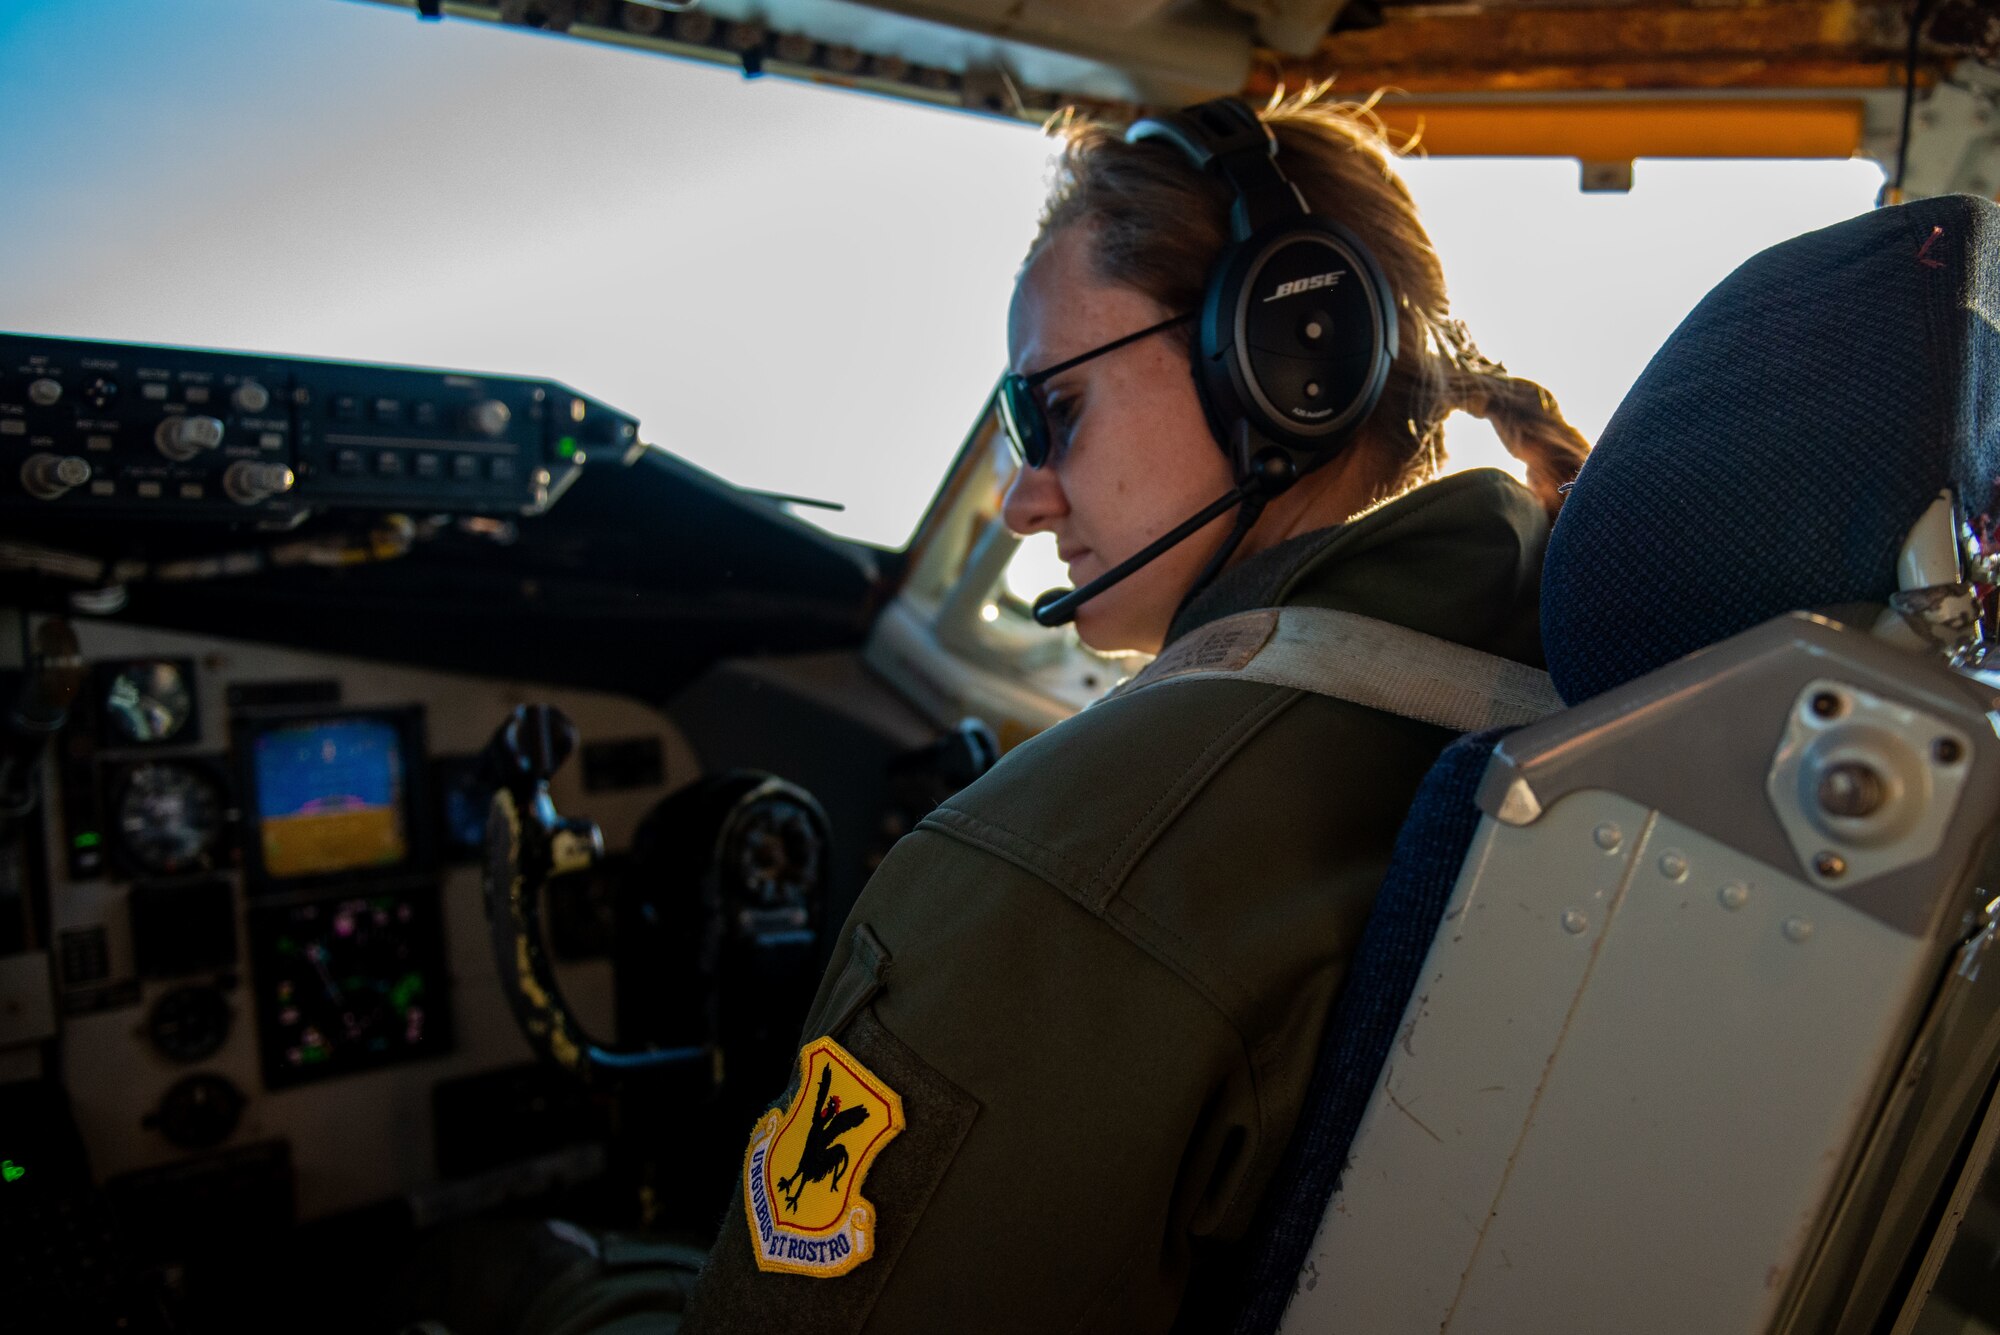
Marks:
<point>1227,645</point>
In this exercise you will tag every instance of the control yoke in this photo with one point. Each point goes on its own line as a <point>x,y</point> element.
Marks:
<point>528,844</point>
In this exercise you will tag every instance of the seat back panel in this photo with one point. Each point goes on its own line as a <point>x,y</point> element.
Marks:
<point>1434,1147</point>
<point>1564,1119</point>
<point>1642,1063</point>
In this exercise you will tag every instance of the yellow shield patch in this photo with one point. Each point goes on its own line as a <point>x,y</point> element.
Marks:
<point>802,1174</point>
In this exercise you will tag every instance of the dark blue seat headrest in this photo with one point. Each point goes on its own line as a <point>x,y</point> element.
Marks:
<point>1777,449</point>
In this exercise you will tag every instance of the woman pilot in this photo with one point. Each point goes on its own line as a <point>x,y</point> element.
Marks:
<point>1064,1040</point>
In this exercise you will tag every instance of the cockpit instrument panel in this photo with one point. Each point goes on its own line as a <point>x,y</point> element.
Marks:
<point>130,429</point>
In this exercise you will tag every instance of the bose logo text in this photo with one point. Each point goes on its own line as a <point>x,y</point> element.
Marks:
<point>1298,285</point>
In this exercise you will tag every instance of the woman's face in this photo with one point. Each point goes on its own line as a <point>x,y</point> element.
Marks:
<point>1130,452</point>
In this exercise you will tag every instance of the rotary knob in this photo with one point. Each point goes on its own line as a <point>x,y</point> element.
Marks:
<point>182,438</point>
<point>45,393</point>
<point>47,476</point>
<point>489,417</point>
<point>251,397</point>
<point>249,482</point>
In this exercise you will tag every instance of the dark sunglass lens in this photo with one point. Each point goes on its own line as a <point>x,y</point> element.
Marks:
<point>1021,416</point>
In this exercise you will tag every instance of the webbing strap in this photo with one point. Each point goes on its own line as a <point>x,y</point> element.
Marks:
<point>1361,660</point>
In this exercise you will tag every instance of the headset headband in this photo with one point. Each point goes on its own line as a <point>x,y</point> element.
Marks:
<point>1226,137</point>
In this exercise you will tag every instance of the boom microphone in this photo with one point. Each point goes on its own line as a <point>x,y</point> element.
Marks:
<point>1271,474</point>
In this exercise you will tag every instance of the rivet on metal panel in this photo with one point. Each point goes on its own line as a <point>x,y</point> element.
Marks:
<point>1797,929</point>
<point>1828,705</point>
<point>1946,751</point>
<point>1674,865</point>
<point>1734,895</point>
<point>1574,921</point>
<point>1830,865</point>
<point>1608,837</point>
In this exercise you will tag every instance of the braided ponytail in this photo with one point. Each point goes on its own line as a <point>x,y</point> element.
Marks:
<point>1522,413</point>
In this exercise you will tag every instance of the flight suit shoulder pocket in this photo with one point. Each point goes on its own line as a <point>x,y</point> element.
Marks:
<point>836,1179</point>
<point>860,980</point>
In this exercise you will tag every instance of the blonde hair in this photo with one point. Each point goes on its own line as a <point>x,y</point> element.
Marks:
<point>1157,225</point>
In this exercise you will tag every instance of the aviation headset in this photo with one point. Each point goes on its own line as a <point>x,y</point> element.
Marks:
<point>1297,324</point>
<point>1297,330</point>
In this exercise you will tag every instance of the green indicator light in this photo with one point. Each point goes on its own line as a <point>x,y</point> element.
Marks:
<point>406,991</point>
<point>12,1171</point>
<point>566,447</point>
<point>87,839</point>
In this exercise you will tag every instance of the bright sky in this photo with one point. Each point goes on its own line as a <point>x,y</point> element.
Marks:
<point>803,290</point>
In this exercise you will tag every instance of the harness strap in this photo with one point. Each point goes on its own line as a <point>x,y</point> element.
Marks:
<point>1361,660</point>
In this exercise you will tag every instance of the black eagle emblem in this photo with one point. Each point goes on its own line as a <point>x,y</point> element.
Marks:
<point>821,1156</point>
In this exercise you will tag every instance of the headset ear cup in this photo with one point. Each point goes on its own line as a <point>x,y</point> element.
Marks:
<point>1297,334</point>
<point>1298,325</point>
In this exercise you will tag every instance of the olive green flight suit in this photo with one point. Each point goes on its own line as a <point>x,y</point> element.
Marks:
<point>1096,977</point>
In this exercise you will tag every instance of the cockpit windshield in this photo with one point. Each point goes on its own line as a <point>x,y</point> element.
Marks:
<point>801,289</point>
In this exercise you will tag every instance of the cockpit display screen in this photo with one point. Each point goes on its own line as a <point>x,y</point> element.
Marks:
<point>349,983</point>
<point>331,795</point>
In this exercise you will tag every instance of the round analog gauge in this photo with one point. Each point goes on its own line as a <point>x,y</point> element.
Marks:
<point>189,1023</point>
<point>199,1113</point>
<point>148,702</point>
<point>167,816</point>
<point>775,854</point>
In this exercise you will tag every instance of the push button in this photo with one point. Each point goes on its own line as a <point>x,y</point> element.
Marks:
<point>388,410</point>
<point>425,413</point>
<point>389,464</point>
<point>429,465</point>
<point>465,467</point>
<point>348,463</point>
<point>1315,329</point>
<point>343,408</point>
<point>501,470</point>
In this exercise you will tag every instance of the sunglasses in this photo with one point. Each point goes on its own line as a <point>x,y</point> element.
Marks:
<point>1021,415</point>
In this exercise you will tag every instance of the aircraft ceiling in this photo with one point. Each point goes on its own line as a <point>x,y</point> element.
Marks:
<point>1600,80</point>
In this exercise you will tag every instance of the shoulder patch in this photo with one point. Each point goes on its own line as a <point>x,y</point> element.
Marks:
<point>802,1173</point>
